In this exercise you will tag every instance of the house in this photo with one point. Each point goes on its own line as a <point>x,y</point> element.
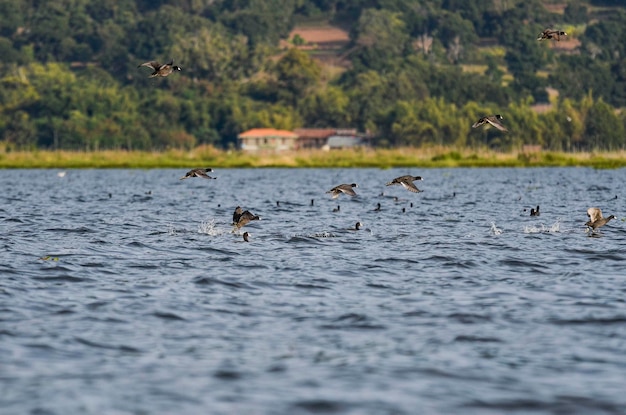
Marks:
<point>347,138</point>
<point>270,139</point>
<point>331,138</point>
<point>259,139</point>
<point>313,137</point>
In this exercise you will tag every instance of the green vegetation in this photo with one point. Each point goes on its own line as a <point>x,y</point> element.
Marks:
<point>427,157</point>
<point>415,73</point>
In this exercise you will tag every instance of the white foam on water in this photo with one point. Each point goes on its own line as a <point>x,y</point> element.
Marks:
<point>207,227</point>
<point>541,228</point>
<point>495,230</point>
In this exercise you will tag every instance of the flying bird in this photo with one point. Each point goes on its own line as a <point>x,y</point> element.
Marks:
<point>595,218</point>
<point>198,173</point>
<point>160,69</point>
<point>343,188</point>
<point>493,120</point>
<point>551,34</point>
<point>406,182</point>
<point>243,218</point>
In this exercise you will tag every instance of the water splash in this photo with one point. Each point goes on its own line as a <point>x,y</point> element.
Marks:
<point>208,227</point>
<point>554,228</point>
<point>495,230</point>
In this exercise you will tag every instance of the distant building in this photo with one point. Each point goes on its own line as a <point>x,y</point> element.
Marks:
<point>259,139</point>
<point>313,137</point>
<point>270,139</point>
<point>347,138</point>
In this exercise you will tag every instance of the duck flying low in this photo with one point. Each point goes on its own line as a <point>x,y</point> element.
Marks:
<point>243,217</point>
<point>198,173</point>
<point>343,188</point>
<point>406,182</point>
<point>160,69</point>
<point>549,34</point>
<point>493,120</point>
<point>596,220</point>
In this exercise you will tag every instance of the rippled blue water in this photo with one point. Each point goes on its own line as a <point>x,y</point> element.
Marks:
<point>461,304</point>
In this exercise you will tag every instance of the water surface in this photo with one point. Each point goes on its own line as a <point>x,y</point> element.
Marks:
<point>146,302</point>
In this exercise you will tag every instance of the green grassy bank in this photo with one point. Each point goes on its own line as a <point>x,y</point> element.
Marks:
<point>381,158</point>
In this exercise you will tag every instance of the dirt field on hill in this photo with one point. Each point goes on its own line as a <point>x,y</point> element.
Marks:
<point>322,36</point>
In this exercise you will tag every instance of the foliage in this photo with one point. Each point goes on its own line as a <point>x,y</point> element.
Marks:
<point>70,80</point>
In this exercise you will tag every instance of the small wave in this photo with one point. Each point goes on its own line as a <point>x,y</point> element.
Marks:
<point>321,406</point>
<point>476,339</point>
<point>167,315</point>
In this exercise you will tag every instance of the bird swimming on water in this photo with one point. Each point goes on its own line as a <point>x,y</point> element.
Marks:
<point>551,34</point>
<point>534,212</point>
<point>493,120</point>
<point>160,69</point>
<point>198,173</point>
<point>343,188</point>
<point>406,182</point>
<point>595,218</point>
<point>246,237</point>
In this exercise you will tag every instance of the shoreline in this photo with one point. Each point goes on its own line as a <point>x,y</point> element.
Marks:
<point>376,158</point>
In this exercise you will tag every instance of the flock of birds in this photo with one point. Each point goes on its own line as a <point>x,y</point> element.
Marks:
<point>242,217</point>
<point>596,220</point>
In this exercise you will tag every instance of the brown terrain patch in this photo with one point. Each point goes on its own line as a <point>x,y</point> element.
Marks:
<point>327,44</point>
<point>556,8</point>
<point>324,37</point>
<point>567,45</point>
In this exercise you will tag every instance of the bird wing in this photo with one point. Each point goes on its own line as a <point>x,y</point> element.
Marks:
<point>409,185</point>
<point>201,173</point>
<point>479,123</point>
<point>152,64</point>
<point>496,124</point>
<point>594,214</point>
<point>347,190</point>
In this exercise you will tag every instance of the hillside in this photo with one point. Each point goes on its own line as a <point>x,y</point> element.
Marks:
<point>413,72</point>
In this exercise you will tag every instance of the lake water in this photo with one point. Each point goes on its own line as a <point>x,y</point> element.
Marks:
<point>148,303</point>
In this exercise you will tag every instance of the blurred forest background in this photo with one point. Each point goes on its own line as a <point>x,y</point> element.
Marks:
<point>411,72</point>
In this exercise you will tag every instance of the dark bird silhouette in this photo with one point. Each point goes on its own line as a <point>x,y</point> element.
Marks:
<point>198,173</point>
<point>237,214</point>
<point>534,212</point>
<point>246,237</point>
<point>337,209</point>
<point>160,69</point>
<point>357,227</point>
<point>595,218</point>
<point>343,188</point>
<point>242,218</point>
<point>378,208</point>
<point>549,34</point>
<point>406,182</point>
<point>493,120</point>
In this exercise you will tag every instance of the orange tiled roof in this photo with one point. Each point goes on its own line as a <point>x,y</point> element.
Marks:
<point>267,132</point>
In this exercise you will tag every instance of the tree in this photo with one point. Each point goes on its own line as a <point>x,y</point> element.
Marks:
<point>379,36</point>
<point>296,74</point>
